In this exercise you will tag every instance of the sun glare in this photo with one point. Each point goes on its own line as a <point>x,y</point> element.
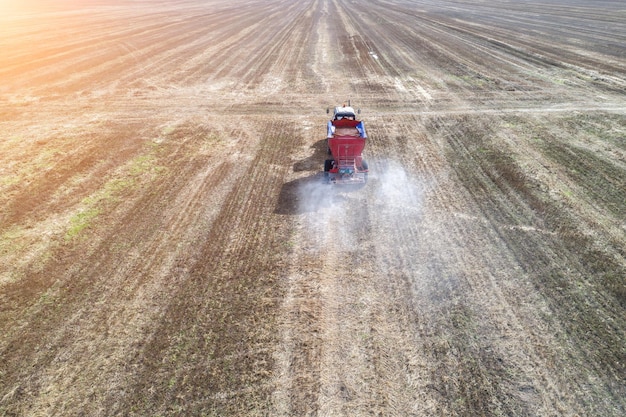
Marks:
<point>8,6</point>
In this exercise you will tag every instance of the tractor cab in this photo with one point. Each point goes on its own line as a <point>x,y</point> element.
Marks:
<point>345,112</point>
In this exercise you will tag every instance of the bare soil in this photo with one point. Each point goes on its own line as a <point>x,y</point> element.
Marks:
<point>167,247</point>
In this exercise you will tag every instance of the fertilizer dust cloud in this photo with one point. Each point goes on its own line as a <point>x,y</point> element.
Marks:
<point>341,217</point>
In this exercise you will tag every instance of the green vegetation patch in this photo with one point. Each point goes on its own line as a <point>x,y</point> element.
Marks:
<point>81,220</point>
<point>11,240</point>
<point>609,128</point>
<point>582,282</point>
<point>140,169</point>
<point>601,179</point>
<point>28,167</point>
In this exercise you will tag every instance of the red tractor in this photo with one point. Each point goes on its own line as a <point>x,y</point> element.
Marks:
<point>346,140</point>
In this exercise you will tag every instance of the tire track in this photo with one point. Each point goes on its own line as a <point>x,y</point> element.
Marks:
<point>220,320</point>
<point>103,305</point>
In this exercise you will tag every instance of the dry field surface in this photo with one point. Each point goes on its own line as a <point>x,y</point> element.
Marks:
<point>166,247</point>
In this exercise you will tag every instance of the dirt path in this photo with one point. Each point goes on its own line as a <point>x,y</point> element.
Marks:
<point>166,247</point>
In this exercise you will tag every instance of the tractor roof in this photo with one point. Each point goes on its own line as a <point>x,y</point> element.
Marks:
<point>344,111</point>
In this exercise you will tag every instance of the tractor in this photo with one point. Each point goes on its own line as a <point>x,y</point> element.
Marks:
<point>345,140</point>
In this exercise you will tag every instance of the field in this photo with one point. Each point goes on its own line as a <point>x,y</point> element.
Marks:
<point>167,247</point>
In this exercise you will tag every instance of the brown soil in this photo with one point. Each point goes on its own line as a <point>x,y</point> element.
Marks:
<point>167,247</point>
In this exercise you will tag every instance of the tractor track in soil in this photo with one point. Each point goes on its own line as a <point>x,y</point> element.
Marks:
<point>166,247</point>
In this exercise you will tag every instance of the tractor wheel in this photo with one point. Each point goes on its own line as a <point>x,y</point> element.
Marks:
<point>364,165</point>
<point>328,165</point>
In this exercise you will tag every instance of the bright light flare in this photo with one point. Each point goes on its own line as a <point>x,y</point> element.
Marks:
<point>9,6</point>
